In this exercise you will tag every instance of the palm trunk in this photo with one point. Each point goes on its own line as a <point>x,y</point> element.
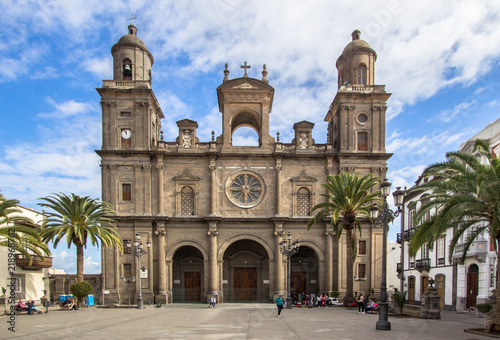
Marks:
<point>79,263</point>
<point>349,268</point>
<point>497,304</point>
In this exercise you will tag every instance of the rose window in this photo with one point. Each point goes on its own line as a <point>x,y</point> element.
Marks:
<point>245,190</point>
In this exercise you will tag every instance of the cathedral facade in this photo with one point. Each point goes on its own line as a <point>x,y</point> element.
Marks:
<point>215,213</point>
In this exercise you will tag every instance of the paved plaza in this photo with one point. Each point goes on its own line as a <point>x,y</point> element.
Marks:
<point>231,321</point>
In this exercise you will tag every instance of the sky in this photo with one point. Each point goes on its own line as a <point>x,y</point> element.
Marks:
<point>441,63</point>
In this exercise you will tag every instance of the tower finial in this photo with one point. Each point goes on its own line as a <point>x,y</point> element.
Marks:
<point>226,73</point>
<point>356,34</point>
<point>264,74</point>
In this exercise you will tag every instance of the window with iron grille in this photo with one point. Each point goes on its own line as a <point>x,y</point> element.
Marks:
<point>303,202</point>
<point>187,201</point>
<point>361,270</point>
<point>362,248</point>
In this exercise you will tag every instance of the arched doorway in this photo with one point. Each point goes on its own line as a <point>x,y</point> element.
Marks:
<point>440,285</point>
<point>411,289</point>
<point>304,277</point>
<point>245,272</point>
<point>472,285</point>
<point>187,275</point>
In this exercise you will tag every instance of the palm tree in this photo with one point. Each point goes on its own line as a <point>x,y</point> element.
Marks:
<point>20,232</point>
<point>348,198</point>
<point>465,196</point>
<point>79,219</point>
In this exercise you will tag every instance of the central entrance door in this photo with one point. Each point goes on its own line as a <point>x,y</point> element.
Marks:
<point>192,286</point>
<point>298,283</point>
<point>245,284</point>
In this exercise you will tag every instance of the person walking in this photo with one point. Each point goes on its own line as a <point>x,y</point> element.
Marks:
<point>279,304</point>
<point>361,305</point>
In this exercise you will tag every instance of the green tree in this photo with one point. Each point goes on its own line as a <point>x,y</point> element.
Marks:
<point>465,196</point>
<point>79,219</point>
<point>19,231</point>
<point>81,290</point>
<point>348,198</point>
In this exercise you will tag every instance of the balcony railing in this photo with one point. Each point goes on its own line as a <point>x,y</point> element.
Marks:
<point>126,84</point>
<point>37,262</point>
<point>423,264</point>
<point>407,235</point>
<point>478,250</point>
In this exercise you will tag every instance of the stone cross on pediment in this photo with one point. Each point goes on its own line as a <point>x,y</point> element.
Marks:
<point>245,66</point>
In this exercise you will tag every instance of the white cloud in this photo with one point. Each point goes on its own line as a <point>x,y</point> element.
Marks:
<point>450,114</point>
<point>101,67</point>
<point>68,108</point>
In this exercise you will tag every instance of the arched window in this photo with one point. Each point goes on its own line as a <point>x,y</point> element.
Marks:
<point>187,201</point>
<point>303,202</point>
<point>127,69</point>
<point>361,74</point>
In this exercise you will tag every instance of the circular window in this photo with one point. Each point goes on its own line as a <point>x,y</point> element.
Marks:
<point>245,189</point>
<point>362,118</point>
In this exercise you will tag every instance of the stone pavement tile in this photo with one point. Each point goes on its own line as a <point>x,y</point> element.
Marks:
<point>232,321</point>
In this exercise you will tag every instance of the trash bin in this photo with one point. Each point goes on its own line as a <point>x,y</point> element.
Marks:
<point>89,300</point>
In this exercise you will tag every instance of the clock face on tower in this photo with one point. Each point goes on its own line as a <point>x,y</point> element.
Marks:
<point>126,134</point>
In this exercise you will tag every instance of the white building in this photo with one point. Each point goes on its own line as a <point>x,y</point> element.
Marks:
<point>460,286</point>
<point>476,277</point>
<point>28,281</point>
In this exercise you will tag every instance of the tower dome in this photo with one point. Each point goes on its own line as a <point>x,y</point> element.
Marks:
<point>131,58</point>
<point>356,65</point>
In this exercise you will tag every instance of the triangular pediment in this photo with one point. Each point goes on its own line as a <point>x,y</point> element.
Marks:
<point>304,125</point>
<point>186,176</point>
<point>303,177</point>
<point>245,86</point>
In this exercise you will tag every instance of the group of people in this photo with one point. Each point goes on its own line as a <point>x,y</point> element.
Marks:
<point>69,303</point>
<point>213,302</point>
<point>308,300</point>
<point>28,306</point>
<point>365,304</point>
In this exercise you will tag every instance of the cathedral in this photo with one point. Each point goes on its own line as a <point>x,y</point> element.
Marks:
<point>215,214</point>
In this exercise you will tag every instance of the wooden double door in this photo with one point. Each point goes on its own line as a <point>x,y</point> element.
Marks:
<point>298,283</point>
<point>245,284</point>
<point>192,286</point>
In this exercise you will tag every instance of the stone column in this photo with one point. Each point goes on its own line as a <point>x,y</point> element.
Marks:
<point>147,189</point>
<point>213,284</point>
<point>279,279</point>
<point>137,192</point>
<point>161,193</point>
<point>278,187</point>
<point>113,187</point>
<point>213,192</point>
<point>329,261</point>
<point>162,264</point>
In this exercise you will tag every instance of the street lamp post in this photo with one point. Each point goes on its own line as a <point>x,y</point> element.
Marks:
<point>128,281</point>
<point>385,216</point>
<point>138,251</point>
<point>288,248</point>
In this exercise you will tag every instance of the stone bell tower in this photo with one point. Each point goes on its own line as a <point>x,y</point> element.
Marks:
<point>131,113</point>
<point>245,102</point>
<point>356,117</point>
